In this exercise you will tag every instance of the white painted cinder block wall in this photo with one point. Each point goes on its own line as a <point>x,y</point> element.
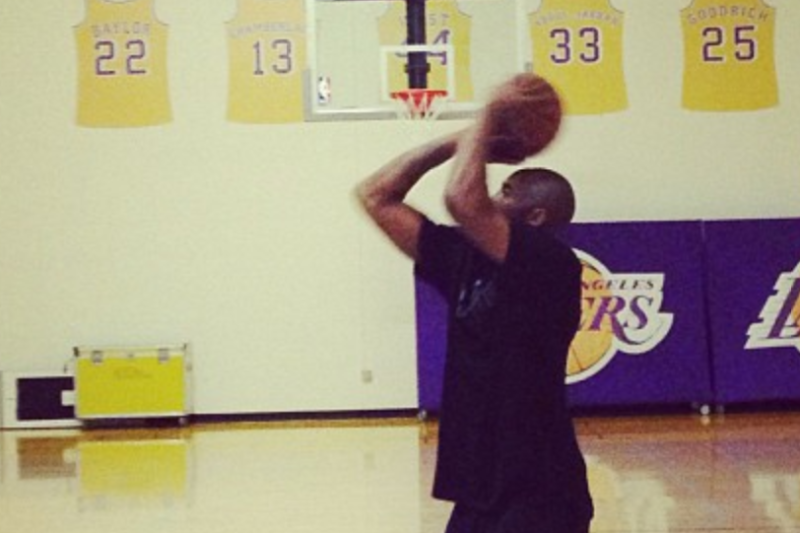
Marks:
<point>244,240</point>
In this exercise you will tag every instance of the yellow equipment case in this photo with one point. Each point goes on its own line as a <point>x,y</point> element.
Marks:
<point>132,382</point>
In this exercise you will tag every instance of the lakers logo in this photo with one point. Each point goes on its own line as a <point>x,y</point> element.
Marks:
<point>780,318</point>
<point>619,313</point>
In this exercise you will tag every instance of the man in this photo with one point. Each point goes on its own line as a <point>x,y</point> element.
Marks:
<point>508,456</point>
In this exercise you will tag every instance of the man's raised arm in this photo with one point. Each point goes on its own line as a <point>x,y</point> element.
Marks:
<point>467,196</point>
<point>383,193</point>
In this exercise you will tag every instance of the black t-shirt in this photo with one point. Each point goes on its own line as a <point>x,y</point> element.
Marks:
<point>504,424</point>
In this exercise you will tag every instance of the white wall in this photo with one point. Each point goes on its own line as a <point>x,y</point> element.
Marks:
<point>244,241</point>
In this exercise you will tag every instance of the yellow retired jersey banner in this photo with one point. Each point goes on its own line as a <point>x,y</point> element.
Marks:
<point>445,24</point>
<point>122,65</point>
<point>577,46</point>
<point>729,57</point>
<point>267,58</point>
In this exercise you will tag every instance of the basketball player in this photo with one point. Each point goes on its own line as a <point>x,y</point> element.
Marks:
<point>508,455</point>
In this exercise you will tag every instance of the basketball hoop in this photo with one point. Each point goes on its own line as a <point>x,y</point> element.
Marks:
<point>419,104</point>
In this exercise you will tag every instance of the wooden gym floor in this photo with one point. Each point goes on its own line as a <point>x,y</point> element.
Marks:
<point>678,473</point>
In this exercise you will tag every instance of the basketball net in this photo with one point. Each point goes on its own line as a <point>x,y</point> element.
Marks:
<point>419,104</point>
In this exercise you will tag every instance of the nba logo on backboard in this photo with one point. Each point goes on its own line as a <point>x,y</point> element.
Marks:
<point>779,325</point>
<point>619,312</point>
<point>324,90</point>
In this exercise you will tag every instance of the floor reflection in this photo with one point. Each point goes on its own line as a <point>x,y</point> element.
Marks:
<point>47,457</point>
<point>672,474</point>
<point>123,473</point>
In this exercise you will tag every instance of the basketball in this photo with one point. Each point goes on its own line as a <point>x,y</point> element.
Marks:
<point>525,116</point>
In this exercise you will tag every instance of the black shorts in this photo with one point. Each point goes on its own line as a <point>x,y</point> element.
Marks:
<point>518,516</point>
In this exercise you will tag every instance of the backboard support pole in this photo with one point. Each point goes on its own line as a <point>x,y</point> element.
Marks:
<point>418,66</point>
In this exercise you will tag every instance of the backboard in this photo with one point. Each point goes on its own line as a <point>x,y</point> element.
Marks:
<point>358,52</point>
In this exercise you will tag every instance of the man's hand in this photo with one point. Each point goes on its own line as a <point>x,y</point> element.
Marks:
<point>505,150</point>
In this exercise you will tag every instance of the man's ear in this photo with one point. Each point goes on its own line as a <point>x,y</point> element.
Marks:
<point>537,216</point>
